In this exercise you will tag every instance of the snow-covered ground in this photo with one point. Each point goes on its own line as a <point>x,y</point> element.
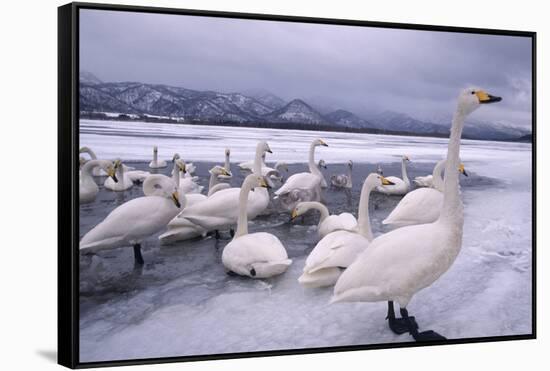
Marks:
<point>183,303</point>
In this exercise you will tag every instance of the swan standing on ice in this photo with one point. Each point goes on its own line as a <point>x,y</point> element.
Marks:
<point>88,188</point>
<point>132,222</point>
<point>401,186</point>
<point>406,260</point>
<point>123,182</point>
<point>303,186</point>
<point>257,255</point>
<point>343,180</point>
<point>337,250</point>
<point>220,210</point>
<point>327,223</point>
<point>156,163</point>
<point>422,205</point>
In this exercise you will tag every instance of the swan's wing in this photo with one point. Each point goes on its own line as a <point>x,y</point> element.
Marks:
<point>418,206</point>
<point>337,249</point>
<point>218,187</point>
<point>299,181</point>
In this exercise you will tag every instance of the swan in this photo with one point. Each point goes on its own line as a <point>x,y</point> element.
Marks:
<point>303,186</point>
<point>156,163</point>
<point>249,165</point>
<point>327,223</point>
<point>401,186</point>
<point>132,222</point>
<point>190,168</point>
<point>338,249</point>
<point>97,171</point>
<point>123,182</point>
<point>214,185</point>
<point>136,176</point>
<point>343,180</point>
<point>423,204</point>
<point>218,211</point>
<point>227,166</point>
<point>406,260</point>
<point>88,188</point>
<point>379,170</point>
<point>276,171</point>
<point>186,185</point>
<point>257,255</point>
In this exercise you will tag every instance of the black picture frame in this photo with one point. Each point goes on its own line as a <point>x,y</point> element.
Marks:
<point>68,156</point>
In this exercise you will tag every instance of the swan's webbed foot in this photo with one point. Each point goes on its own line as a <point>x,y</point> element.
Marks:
<point>428,335</point>
<point>138,258</point>
<point>399,325</point>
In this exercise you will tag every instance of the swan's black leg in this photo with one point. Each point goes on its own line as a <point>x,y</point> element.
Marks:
<point>232,232</point>
<point>428,335</point>
<point>217,234</point>
<point>399,325</point>
<point>138,258</point>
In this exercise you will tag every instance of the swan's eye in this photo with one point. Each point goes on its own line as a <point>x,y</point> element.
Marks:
<point>473,92</point>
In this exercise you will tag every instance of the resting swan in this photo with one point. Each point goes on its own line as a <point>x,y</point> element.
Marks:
<point>219,211</point>
<point>401,186</point>
<point>422,205</point>
<point>256,255</point>
<point>97,171</point>
<point>227,165</point>
<point>186,184</point>
<point>156,163</point>
<point>123,182</point>
<point>132,222</point>
<point>343,180</point>
<point>88,188</point>
<point>303,186</point>
<point>327,223</point>
<point>338,249</point>
<point>406,260</point>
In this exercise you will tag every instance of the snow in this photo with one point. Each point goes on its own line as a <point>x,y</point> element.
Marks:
<point>183,303</point>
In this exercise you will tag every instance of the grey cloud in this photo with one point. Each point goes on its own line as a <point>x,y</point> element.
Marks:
<point>356,68</point>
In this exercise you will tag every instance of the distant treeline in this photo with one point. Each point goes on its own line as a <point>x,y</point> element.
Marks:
<point>273,125</point>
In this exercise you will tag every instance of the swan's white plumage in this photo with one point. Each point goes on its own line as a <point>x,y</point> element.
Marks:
<point>156,163</point>
<point>88,188</point>
<point>400,186</point>
<point>420,206</point>
<point>327,223</point>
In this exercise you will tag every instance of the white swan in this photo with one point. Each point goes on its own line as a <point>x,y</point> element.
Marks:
<point>227,166</point>
<point>257,255</point>
<point>338,249</point>
<point>303,186</point>
<point>249,165</point>
<point>97,171</point>
<point>214,185</point>
<point>132,222</point>
<point>219,211</point>
<point>343,180</point>
<point>327,223</point>
<point>422,205</point>
<point>406,260</point>
<point>401,186</point>
<point>156,163</point>
<point>88,188</point>
<point>123,182</point>
<point>186,184</point>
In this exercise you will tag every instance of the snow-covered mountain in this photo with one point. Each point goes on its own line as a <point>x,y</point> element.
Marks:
<point>261,108</point>
<point>299,112</point>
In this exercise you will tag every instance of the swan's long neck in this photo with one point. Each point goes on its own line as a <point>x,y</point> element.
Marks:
<point>436,176</point>
<point>176,175</point>
<point>86,172</point>
<point>213,181</point>
<point>452,210</point>
<point>317,206</point>
<point>120,173</point>
<point>258,161</point>
<point>242,221</point>
<point>311,161</point>
<point>404,171</point>
<point>349,174</point>
<point>89,151</point>
<point>363,220</point>
<point>227,165</point>
<point>155,156</point>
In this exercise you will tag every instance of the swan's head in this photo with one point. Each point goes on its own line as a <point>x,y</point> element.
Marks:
<point>374,180</point>
<point>263,147</point>
<point>462,170</point>
<point>252,181</point>
<point>175,157</point>
<point>470,99</point>
<point>406,158</point>
<point>300,209</point>
<point>163,186</point>
<point>180,164</point>
<point>379,170</point>
<point>227,151</point>
<point>319,142</point>
<point>219,170</point>
<point>155,149</point>
<point>322,164</point>
<point>350,164</point>
<point>281,166</point>
<point>111,169</point>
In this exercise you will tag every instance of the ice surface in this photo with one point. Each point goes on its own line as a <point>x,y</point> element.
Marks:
<point>183,303</point>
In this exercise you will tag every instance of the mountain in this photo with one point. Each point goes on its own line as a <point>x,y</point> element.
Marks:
<point>262,109</point>
<point>299,112</point>
<point>348,119</point>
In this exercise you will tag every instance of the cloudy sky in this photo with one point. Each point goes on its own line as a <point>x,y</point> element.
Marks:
<point>355,68</point>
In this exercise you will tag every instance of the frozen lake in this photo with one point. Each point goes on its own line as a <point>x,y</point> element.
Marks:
<point>181,302</point>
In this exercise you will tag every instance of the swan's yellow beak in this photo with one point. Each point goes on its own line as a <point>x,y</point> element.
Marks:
<point>176,199</point>
<point>386,181</point>
<point>294,214</point>
<point>225,172</point>
<point>111,172</point>
<point>263,183</point>
<point>484,97</point>
<point>462,170</point>
<point>323,143</point>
